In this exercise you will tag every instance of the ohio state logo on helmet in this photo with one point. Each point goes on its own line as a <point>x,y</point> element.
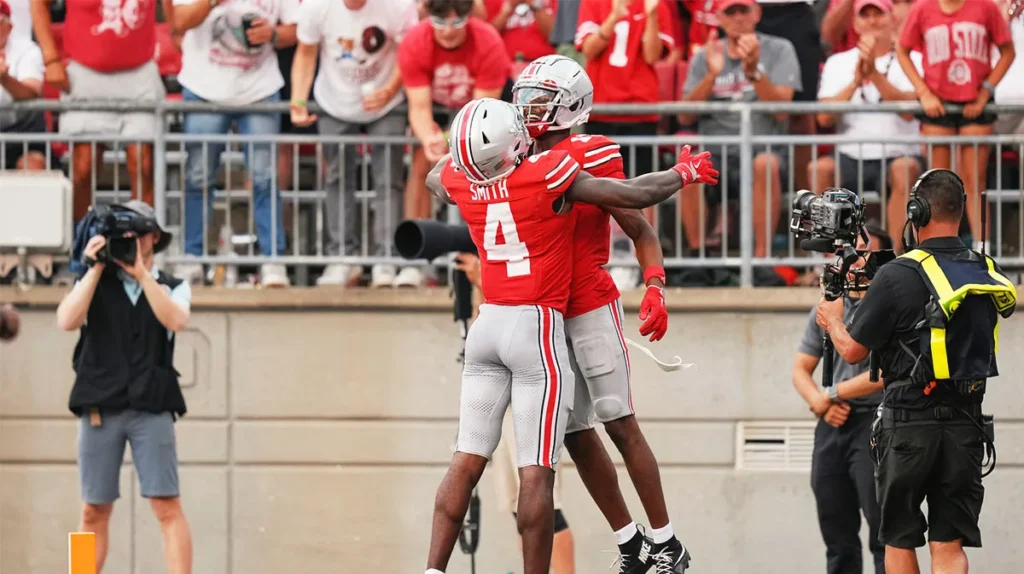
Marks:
<point>488,139</point>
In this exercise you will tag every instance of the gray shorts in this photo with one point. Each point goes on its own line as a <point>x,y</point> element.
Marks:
<point>518,355</point>
<point>600,362</point>
<point>101,453</point>
<point>141,84</point>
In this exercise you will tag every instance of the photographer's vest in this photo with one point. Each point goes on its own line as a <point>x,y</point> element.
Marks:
<point>125,356</point>
<point>959,336</point>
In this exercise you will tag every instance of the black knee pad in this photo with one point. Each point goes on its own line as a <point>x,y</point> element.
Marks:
<point>560,523</point>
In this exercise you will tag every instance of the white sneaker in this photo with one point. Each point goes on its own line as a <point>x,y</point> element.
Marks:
<point>409,277</point>
<point>625,278</point>
<point>274,275</point>
<point>191,273</point>
<point>382,275</point>
<point>339,274</point>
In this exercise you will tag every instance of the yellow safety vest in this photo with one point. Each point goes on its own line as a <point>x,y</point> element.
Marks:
<point>950,283</point>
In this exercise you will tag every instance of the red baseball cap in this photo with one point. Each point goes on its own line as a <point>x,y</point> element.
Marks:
<point>5,8</point>
<point>721,5</point>
<point>883,5</point>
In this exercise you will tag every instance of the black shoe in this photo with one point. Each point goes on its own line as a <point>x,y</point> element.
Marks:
<point>670,558</point>
<point>635,555</point>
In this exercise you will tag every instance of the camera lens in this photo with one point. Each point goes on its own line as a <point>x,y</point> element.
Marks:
<point>803,199</point>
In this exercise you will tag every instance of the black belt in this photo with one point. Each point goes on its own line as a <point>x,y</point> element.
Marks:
<point>939,413</point>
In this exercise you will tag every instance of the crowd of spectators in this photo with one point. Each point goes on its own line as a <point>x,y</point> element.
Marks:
<point>359,60</point>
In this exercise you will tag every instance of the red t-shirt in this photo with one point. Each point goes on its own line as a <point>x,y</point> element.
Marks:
<point>850,38</point>
<point>110,39</point>
<point>521,33</point>
<point>957,48</point>
<point>480,63</point>
<point>702,23</point>
<point>525,247</point>
<point>592,287</point>
<point>620,74</point>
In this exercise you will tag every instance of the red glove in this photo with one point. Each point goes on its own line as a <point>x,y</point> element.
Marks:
<point>695,168</point>
<point>653,313</point>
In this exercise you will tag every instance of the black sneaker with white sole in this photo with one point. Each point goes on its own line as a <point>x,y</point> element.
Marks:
<point>635,555</point>
<point>670,557</point>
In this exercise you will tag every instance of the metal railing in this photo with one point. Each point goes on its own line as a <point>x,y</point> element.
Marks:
<point>732,242</point>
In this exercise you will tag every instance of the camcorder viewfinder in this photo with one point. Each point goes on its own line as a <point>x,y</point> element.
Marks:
<point>121,227</point>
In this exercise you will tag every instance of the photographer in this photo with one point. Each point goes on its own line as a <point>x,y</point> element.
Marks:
<point>930,316</point>
<point>126,388</point>
<point>842,476</point>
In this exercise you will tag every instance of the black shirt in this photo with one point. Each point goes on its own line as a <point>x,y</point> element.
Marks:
<point>893,305</point>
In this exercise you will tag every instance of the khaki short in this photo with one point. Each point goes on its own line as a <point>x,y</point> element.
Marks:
<point>506,472</point>
<point>140,84</point>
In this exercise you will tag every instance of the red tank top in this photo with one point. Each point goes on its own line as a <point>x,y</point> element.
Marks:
<point>110,35</point>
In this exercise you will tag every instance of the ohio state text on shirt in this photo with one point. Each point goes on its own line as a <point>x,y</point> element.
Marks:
<point>110,35</point>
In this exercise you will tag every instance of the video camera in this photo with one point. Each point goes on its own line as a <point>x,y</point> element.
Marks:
<point>428,239</point>
<point>831,224</point>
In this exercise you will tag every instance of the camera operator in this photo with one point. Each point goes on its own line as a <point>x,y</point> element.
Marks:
<point>842,476</point>
<point>9,322</point>
<point>126,388</point>
<point>930,316</point>
<point>504,461</point>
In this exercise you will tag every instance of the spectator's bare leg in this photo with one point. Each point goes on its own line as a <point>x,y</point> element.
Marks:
<point>948,558</point>
<point>140,155</point>
<point>32,161</point>
<point>692,214</point>
<point>901,561</point>
<point>821,174</point>
<point>177,538</point>
<point>903,172</point>
<point>801,125</point>
<point>974,171</point>
<point>563,553</point>
<point>451,504</point>
<point>536,517</point>
<point>285,152</point>
<point>96,519</point>
<point>417,198</point>
<point>81,177</point>
<point>938,156</point>
<point>766,165</point>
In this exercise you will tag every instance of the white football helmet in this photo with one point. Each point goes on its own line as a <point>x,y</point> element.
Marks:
<point>553,93</point>
<point>488,139</point>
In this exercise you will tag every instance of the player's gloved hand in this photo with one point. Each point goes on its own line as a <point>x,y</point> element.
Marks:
<point>653,313</point>
<point>695,168</point>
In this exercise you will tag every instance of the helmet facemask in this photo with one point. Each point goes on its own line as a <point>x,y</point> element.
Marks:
<point>540,108</point>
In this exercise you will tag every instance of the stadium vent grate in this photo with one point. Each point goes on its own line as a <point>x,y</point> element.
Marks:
<point>774,445</point>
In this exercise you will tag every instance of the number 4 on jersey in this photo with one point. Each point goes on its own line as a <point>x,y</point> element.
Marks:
<point>513,252</point>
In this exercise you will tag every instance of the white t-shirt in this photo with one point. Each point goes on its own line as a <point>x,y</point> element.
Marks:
<point>358,51</point>
<point>1010,89</point>
<point>21,19</point>
<point>839,71</point>
<point>24,62</point>
<point>217,66</point>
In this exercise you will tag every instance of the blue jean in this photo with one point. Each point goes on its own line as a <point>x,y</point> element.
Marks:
<point>201,172</point>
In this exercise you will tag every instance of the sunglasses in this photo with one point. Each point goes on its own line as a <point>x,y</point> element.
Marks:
<point>456,23</point>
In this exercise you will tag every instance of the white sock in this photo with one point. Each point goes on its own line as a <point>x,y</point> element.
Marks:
<point>433,571</point>
<point>625,534</point>
<point>663,534</point>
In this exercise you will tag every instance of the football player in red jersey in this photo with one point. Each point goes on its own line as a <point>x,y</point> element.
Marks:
<point>555,94</point>
<point>516,208</point>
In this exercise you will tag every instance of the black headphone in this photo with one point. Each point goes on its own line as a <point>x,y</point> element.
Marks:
<point>919,212</point>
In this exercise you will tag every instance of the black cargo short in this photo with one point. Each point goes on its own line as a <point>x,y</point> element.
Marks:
<point>937,461</point>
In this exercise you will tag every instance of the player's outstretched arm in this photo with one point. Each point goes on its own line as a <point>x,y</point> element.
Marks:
<point>434,181</point>
<point>646,190</point>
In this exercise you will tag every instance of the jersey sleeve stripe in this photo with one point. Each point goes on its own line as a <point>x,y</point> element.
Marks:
<point>600,150</point>
<point>669,40</point>
<point>571,172</point>
<point>560,167</point>
<point>601,161</point>
<point>585,29</point>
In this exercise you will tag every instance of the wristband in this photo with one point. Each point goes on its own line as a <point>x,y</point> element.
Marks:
<point>654,272</point>
<point>298,103</point>
<point>833,393</point>
<point>987,85</point>
<point>53,60</point>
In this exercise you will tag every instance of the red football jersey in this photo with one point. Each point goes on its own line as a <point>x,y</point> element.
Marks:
<point>957,48</point>
<point>525,247</point>
<point>623,58</point>
<point>481,63</point>
<point>592,286</point>
<point>522,35</point>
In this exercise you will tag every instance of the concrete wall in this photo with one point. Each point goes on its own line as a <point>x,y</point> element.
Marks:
<point>315,440</point>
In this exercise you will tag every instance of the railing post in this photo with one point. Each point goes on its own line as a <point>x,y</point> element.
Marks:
<point>746,198</point>
<point>160,165</point>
